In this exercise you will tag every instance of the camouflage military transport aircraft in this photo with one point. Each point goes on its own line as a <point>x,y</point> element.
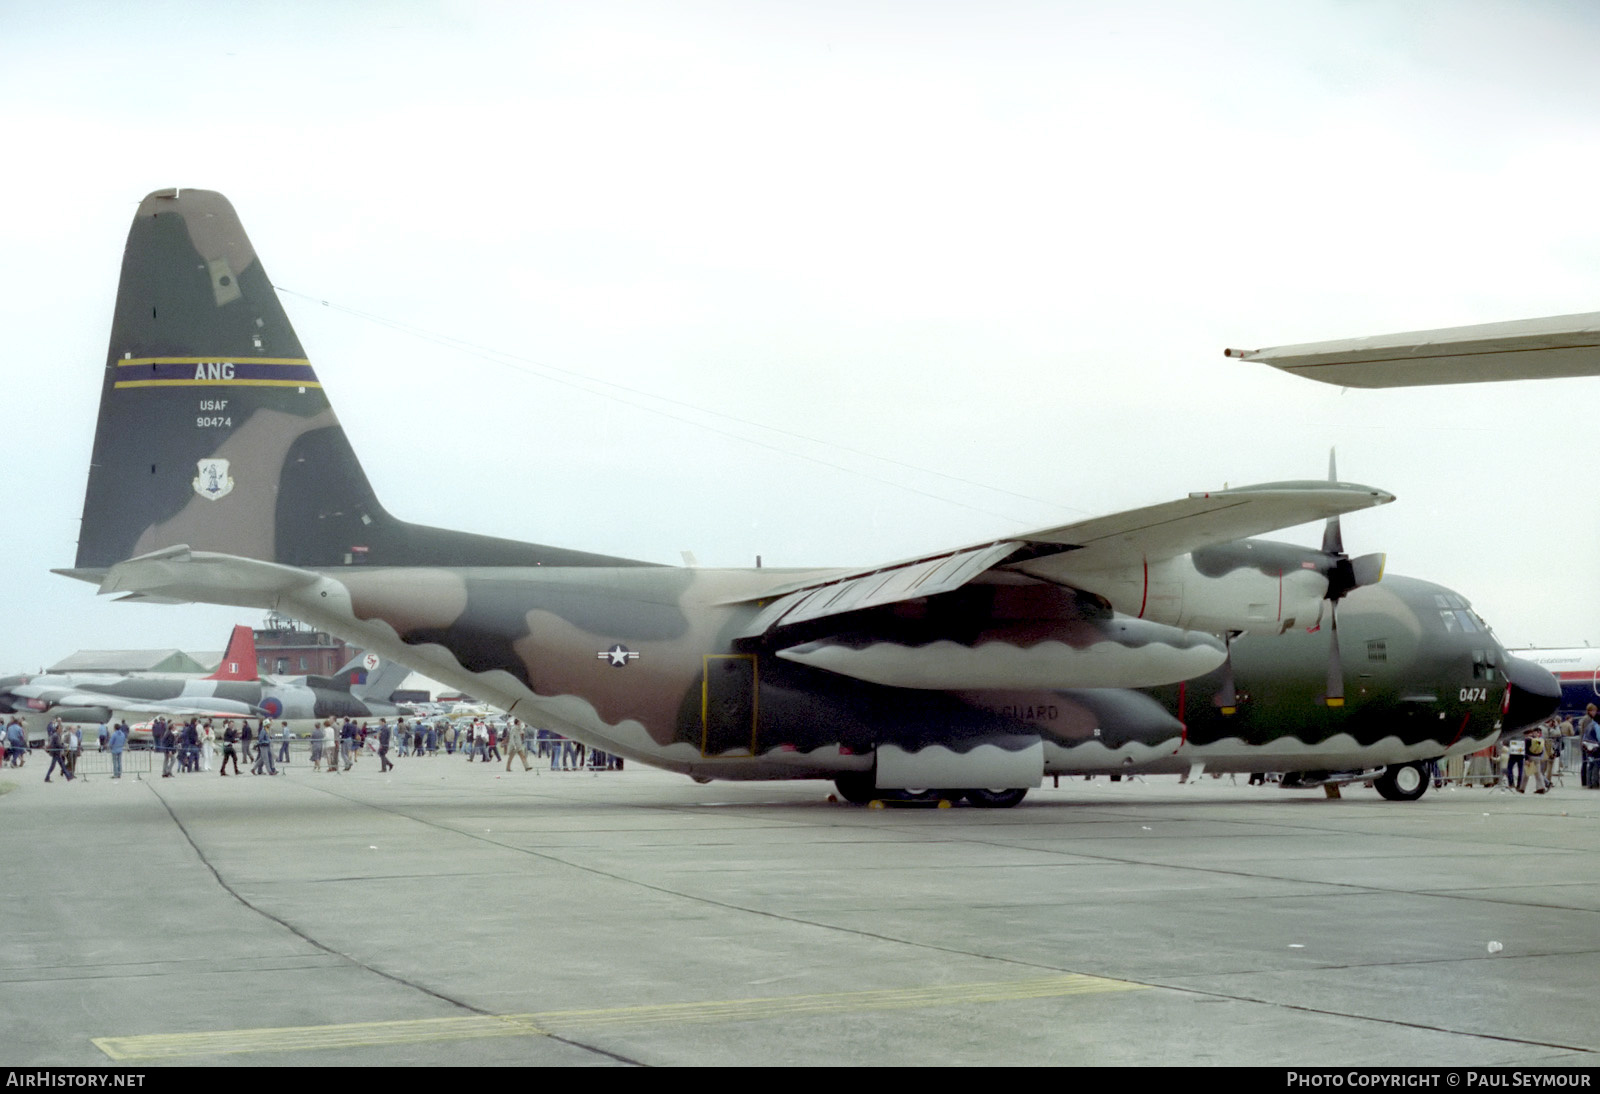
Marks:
<point>358,690</point>
<point>220,474</point>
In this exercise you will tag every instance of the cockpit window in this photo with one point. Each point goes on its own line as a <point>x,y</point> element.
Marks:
<point>1458,617</point>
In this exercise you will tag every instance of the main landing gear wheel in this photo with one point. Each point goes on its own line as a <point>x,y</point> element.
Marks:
<point>916,796</point>
<point>996,799</point>
<point>1402,782</point>
<point>860,788</point>
<point>856,787</point>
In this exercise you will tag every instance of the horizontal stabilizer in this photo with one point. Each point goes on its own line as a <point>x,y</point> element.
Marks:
<point>179,574</point>
<point>1524,349</point>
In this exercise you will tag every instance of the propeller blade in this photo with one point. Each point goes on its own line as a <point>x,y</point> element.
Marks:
<point>1332,539</point>
<point>1335,697</point>
<point>1368,569</point>
<point>1227,698</point>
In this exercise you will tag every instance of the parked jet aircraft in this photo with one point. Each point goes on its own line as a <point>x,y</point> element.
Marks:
<point>89,697</point>
<point>234,691</point>
<point>1158,639</point>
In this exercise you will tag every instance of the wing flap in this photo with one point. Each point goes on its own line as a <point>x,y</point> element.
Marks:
<point>1524,349</point>
<point>874,588</point>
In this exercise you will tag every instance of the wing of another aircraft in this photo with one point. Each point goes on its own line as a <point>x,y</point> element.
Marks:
<point>1129,541</point>
<point>191,708</point>
<point>1524,349</point>
<point>45,698</point>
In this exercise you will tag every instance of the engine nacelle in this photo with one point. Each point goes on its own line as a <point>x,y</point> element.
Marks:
<point>1251,587</point>
<point>1089,650</point>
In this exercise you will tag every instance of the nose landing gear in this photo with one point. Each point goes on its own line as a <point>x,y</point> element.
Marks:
<point>1402,782</point>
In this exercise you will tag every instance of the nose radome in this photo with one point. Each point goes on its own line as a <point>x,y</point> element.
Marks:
<point>1535,694</point>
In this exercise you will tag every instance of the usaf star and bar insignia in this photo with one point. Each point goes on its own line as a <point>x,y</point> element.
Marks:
<point>618,656</point>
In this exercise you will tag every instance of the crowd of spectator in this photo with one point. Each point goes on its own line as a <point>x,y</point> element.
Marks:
<point>191,747</point>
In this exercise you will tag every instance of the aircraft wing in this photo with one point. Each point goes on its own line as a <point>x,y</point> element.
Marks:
<point>44,698</point>
<point>55,695</point>
<point>1525,349</point>
<point>1129,540</point>
<point>192,708</point>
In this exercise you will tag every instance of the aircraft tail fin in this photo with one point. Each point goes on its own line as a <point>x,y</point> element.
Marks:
<point>239,660</point>
<point>367,676</point>
<point>353,673</point>
<point>214,431</point>
<point>381,681</point>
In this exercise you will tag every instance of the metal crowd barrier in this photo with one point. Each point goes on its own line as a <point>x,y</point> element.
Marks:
<point>92,763</point>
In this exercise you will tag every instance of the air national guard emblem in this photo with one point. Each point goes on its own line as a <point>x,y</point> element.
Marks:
<point>213,481</point>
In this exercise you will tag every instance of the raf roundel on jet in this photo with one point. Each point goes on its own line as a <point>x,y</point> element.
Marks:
<point>1156,640</point>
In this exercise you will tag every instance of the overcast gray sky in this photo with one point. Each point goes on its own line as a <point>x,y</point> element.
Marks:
<point>831,282</point>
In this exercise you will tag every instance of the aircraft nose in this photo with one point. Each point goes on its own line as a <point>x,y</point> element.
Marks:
<point>1535,694</point>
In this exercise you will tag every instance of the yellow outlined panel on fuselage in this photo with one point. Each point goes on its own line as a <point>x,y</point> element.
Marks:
<point>728,718</point>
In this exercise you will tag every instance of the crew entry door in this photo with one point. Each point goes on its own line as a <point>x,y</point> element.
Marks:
<point>728,709</point>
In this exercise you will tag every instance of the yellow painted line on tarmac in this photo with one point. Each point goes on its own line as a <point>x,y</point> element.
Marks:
<point>168,1046</point>
<point>300,1038</point>
<point>742,1010</point>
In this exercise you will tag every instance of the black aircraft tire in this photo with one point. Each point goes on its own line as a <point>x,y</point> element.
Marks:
<point>996,799</point>
<point>857,787</point>
<point>914,795</point>
<point>1402,782</point>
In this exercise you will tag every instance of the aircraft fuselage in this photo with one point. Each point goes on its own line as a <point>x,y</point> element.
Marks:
<point>645,662</point>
